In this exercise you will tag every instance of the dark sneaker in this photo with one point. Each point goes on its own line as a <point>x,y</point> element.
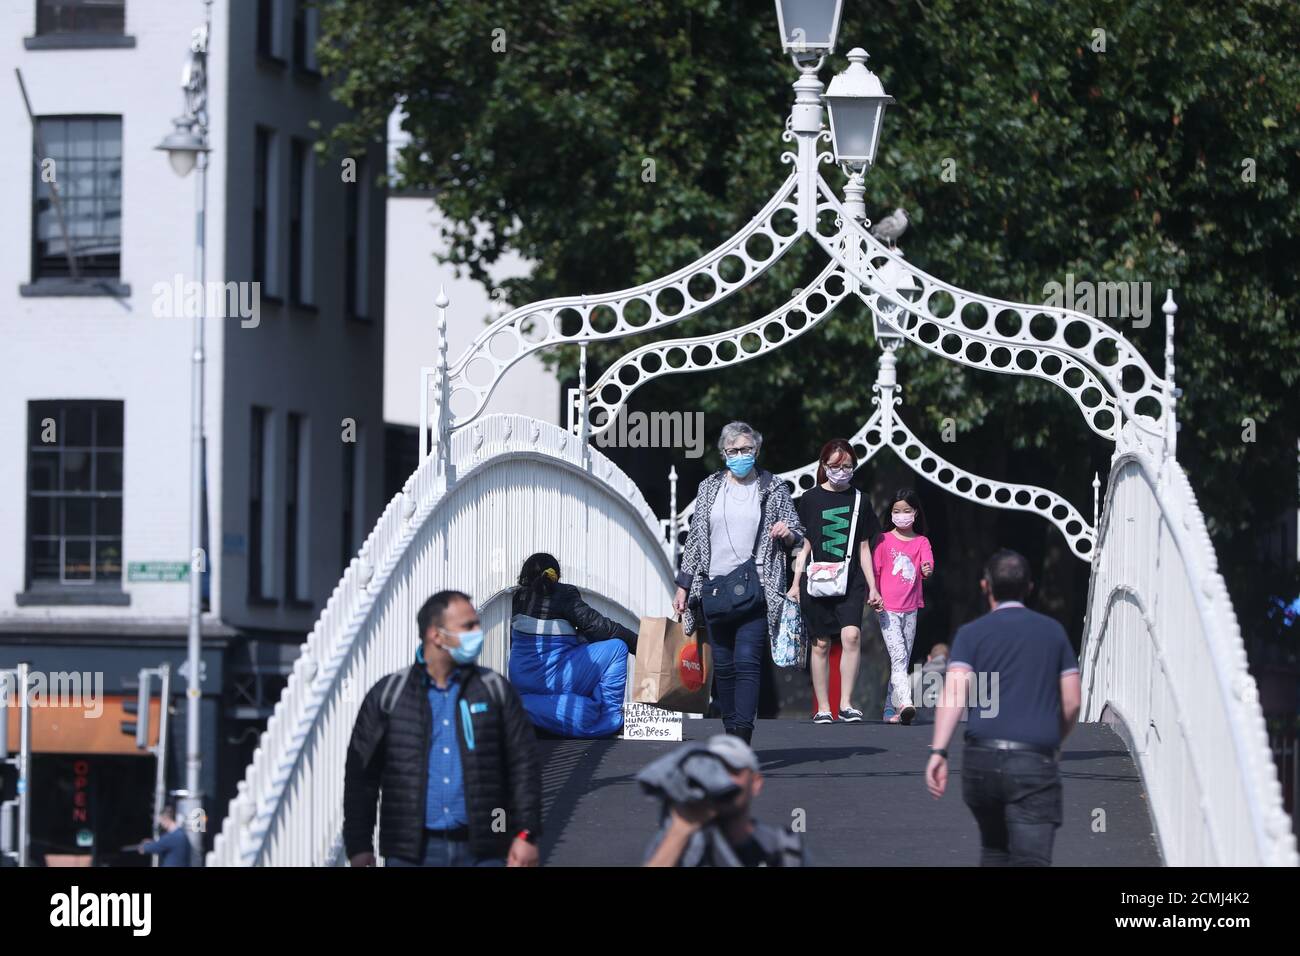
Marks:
<point>823,717</point>
<point>907,714</point>
<point>850,715</point>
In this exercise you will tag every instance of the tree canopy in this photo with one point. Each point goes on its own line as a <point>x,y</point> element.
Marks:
<point>1111,140</point>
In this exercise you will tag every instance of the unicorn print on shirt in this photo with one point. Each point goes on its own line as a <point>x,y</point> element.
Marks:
<point>903,566</point>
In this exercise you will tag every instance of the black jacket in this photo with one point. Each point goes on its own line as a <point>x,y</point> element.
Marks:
<point>565,603</point>
<point>390,752</point>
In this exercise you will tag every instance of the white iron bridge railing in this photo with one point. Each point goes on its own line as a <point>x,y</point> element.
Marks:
<point>520,486</point>
<point>1163,661</point>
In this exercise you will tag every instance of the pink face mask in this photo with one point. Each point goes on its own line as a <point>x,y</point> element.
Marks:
<point>839,477</point>
<point>904,519</point>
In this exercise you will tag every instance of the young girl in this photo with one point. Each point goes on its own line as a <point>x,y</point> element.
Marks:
<point>902,559</point>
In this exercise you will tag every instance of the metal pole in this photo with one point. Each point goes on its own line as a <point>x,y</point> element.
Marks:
<point>583,423</point>
<point>193,800</point>
<point>24,764</point>
<point>160,775</point>
<point>672,512</point>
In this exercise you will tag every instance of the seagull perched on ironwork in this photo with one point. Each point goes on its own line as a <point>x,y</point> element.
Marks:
<point>891,227</point>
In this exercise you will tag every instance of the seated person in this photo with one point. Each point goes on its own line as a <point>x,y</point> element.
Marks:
<point>567,660</point>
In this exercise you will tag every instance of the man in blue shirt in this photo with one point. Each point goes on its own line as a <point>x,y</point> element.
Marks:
<point>450,747</point>
<point>173,847</point>
<point>1015,673</point>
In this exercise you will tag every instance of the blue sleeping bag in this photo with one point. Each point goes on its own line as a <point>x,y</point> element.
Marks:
<point>569,686</point>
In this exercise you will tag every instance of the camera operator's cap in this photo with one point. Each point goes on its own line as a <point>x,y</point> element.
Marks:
<point>735,753</point>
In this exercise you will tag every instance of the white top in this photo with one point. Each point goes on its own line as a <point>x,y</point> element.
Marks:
<point>733,525</point>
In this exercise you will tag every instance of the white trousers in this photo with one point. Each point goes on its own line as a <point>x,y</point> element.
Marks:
<point>898,628</point>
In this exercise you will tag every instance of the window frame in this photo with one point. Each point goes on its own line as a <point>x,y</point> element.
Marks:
<point>100,279</point>
<point>96,583</point>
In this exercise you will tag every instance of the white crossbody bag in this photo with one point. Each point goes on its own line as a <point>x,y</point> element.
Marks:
<point>831,578</point>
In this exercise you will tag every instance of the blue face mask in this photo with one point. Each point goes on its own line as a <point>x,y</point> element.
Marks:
<point>741,465</point>
<point>471,645</point>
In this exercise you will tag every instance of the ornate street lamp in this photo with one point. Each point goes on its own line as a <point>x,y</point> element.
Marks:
<point>183,145</point>
<point>808,28</point>
<point>856,102</point>
<point>187,146</point>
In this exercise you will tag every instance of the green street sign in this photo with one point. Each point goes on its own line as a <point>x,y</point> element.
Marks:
<point>158,571</point>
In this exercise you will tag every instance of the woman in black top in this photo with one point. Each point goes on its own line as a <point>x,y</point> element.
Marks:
<point>826,514</point>
<point>567,660</point>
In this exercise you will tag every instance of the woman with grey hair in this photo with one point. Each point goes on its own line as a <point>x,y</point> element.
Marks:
<point>733,570</point>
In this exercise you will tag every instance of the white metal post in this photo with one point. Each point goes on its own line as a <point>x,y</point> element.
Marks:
<point>584,426</point>
<point>443,420</point>
<point>672,512</point>
<point>160,752</point>
<point>24,763</point>
<point>1171,393</point>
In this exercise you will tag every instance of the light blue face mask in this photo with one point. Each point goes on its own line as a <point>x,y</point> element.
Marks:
<point>471,645</point>
<point>741,465</point>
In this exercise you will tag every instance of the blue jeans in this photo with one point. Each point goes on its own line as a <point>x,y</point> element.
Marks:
<point>441,852</point>
<point>738,649</point>
<point>1015,796</point>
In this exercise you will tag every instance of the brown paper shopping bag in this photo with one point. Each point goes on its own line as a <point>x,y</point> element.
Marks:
<point>673,671</point>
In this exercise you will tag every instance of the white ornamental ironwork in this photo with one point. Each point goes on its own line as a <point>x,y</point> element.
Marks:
<point>1103,374</point>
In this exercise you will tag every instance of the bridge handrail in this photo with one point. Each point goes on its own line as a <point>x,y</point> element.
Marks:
<point>1163,657</point>
<point>317,690</point>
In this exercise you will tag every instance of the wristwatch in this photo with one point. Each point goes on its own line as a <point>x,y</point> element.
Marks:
<point>528,836</point>
<point>940,751</point>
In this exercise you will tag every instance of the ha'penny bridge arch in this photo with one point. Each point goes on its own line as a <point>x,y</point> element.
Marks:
<point>1162,656</point>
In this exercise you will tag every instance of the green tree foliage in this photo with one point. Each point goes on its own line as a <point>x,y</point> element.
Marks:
<point>1117,140</point>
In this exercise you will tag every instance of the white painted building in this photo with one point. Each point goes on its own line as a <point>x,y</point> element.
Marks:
<point>94,510</point>
<point>414,276</point>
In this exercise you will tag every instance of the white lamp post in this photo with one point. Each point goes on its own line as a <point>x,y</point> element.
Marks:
<point>186,147</point>
<point>856,102</point>
<point>808,28</point>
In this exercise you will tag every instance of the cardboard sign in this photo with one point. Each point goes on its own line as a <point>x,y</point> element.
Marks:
<point>647,722</point>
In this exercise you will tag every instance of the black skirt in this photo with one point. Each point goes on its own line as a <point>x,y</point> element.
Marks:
<point>825,616</point>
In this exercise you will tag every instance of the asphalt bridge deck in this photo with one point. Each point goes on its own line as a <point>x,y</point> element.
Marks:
<point>861,790</point>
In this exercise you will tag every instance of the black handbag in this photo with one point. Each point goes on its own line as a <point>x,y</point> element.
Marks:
<point>739,592</point>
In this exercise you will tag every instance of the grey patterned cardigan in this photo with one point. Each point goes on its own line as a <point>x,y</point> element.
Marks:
<point>777,505</point>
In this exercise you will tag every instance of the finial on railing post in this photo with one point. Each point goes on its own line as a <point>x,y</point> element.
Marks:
<point>672,511</point>
<point>1096,488</point>
<point>1171,393</point>
<point>584,426</point>
<point>443,421</point>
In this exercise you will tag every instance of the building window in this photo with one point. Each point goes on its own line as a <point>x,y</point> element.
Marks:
<point>74,494</point>
<point>270,29</point>
<point>302,191</point>
<point>266,204</point>
<point>80,16</point>
<point>297,511</point>
<point>77,195</point>
<point>306,32</point>
<point>357,246</point>
<point>261,510</point>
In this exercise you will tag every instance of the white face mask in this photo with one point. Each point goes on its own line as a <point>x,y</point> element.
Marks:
<point>903,519</point>
<point>839,477</point>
